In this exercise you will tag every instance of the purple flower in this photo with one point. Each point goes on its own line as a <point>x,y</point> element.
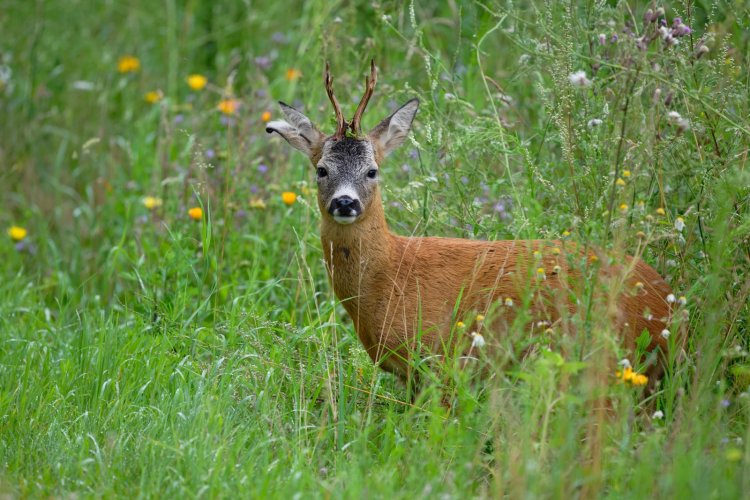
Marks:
<point>240,214</point>
<point>725,403</point>
<point>261,93</point>
<point>405,168</point>
<point>179,119</point>
<point>279,37</point>
<point>614,38</point>
<point>254,188</point>
<point>602,38</point>
<point>262,168</point>
<point>263,62</point>
<point>676,22</point>
<point>413,154</point>
<point>464,179</point>
<point>210,154</point>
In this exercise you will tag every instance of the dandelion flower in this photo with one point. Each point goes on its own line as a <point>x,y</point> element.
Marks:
<point>540,273</point>
<point>624,208</point>
<point>151,202</point>
<point>658,415</point>
<point>460,325</point>
<point>17,233</point>
<point>477,340</point>
<point>508,302</point>
<point>626,173</point>
<point>480,318</point>
<point>682,300</point>
<point>566,234</point>
<point>197,82</point>
<point>660,211</point>
<point>266,116</point>
<point>665,334</point>
<point>671,298</point>
<point>555,250</point>
<point>128,64</point>
<point>288,197</point>
<point>293,74</point>
<point>228,106</point>
<point>639,285</point>
<point>679,224</point>
<point>196,213</point>
<point>579,79</point>
<point>153,96</point>
<point>620,182</point>
<point>257,203</point>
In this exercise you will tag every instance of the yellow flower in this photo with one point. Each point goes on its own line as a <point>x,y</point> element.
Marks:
<point>17,233</point>
<point>480,318</point>
<point>151,202</point>
<point>638,285</point>
<point>196,213</point>
<point>257,203</point>
<point>660,211</point>
<point>293,74</point>
<point>626,173</point>
<point>460,325</point>
<point>628,375</point>
<point>540,273</point>
<point>228,106</point>
<point>288,197</point>
<point>153,97</point>
<point>508,302</point>
<point>266,116</point>
<point>624,208</point>
<point>593,258</point>
<point>566,234</point>
<point>555,250</point>
<point>620,182</point>
<point>197,82</point>
<point>128,64</point>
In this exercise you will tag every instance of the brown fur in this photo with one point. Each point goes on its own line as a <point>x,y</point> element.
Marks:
<point>390,285</point>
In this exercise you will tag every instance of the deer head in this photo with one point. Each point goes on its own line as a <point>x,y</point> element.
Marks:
<point>347,161</point>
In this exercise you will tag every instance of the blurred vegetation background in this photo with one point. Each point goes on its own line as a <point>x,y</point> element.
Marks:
<point>148,350</point>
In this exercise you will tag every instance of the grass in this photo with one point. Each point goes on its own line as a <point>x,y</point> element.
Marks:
<point>143,353</point>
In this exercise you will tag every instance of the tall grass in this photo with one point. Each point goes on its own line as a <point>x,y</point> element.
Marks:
<point>145,353</point>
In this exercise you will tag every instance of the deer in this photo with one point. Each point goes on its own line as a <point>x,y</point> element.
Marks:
<point>406,294</point>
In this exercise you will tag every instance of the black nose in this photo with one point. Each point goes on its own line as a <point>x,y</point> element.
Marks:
<point>342,202</point>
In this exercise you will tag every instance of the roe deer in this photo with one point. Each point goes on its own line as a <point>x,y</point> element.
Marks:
<point>407,292</point>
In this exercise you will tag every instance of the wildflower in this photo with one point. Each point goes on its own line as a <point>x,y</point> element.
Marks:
<point>658,415</point>
<point>288,197</point>
<point>640,235</point>
<point>128,64</point>
<point>701,51</point>
<point>257,203</point>
<point>660,211</point>
<point>625,363</point>
<point>17,233</point>
<point>679,224</point>
<point>628,375</point>
<point>460,325</point>
<point>602,38</point>
<point>665,334</point>
<point>674,116</point>
<point>537,254</point>
<point>594,122</point>
<point>725,403</point>
<point>556,269</point>
<point>293,74</point>
<point>620,182</point>
<point>480,318</point>
<point>555,250</point>
<point>626,173</point>
<point>671,298</point>
<point>477,340</point>
<point>593,259</point>
<point>151,202</point>
<point>197,82</point>
<point>228,106</point>
<point>540,273</point>
<point>196,213</point>
<point>153,96</point>
<point>508,302</point>
<point>566,234</point>
<point>624,208</point>
<point>579,79</point>
<point>262,168</point>
<point>638,285</point>
<point>682,300</point>
<point>266,116</point>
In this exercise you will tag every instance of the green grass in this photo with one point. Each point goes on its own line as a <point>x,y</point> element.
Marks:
<point>146,354</point>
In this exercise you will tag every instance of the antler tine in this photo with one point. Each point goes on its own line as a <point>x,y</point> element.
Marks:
<point>340,121</point>
<point>369,88</point>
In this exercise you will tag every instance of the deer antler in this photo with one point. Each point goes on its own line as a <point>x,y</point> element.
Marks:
<point>341,124</point>
<point>369,88</point>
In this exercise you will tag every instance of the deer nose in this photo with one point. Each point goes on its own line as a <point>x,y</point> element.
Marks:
<point>343,202</point>
<point>345,206</point>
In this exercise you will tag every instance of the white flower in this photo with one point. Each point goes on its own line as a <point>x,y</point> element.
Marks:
<point>679,224</point>
<point>625,363</point>
<point>665,334</point>
<point>508,302</point>
<point>524,59</point>
<point>579,79</point>
<point>674,116</point>
<point>594,122</point>
<point>683,124</point>
<point>477,340</point>
<point>664,32</point>
<point>658,415</point>
<point>671,298</point>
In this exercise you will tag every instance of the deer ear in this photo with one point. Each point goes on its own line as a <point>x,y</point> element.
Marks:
<point>298,131</point>
<point>391,132</point>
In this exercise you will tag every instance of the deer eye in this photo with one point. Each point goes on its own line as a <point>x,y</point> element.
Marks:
<point>371,174</point>
<point>322,172</point>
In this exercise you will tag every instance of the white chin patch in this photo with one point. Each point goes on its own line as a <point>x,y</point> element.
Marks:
<point>344,220</point>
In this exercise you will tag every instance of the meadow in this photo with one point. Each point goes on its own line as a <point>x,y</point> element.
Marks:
<point>167,327</point>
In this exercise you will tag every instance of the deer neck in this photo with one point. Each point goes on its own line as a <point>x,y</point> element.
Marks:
<point>356,253</point>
